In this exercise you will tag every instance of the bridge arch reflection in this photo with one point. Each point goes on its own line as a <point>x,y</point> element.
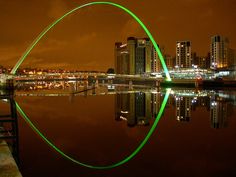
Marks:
<point>121,162</point>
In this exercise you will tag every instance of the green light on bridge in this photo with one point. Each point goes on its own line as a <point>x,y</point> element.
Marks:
<point>33,44</point>
<point>28,50</point>
<point>125,160</point>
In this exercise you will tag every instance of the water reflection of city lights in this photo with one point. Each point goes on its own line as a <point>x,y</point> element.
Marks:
<point>214,103</point>
<point>124,112</point>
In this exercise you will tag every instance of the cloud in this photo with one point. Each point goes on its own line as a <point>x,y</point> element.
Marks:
<point>49,63</point>
<point>208,13</point>
<point>56,53</point>
<point>87,38</point>
<point>50,45</point>
<point>197,1</point>
<point>132,28</point>
<point>9,55</point>
<point>63,65</point>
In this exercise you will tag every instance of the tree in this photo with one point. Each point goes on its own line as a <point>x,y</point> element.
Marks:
<point>111,71</point>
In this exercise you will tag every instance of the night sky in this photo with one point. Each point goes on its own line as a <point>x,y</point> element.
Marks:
<point>85,40</point>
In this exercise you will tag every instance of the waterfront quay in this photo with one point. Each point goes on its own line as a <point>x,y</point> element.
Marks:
<point>8,167</point>
<point>131,80</point>
<point>183,79</point>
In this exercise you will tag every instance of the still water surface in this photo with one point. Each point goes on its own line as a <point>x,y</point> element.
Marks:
<point>194,137</point>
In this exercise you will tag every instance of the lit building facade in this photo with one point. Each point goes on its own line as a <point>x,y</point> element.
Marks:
<point>156,65</point>
<point>221,55</point>
<point>169,62</point>
<point>204,62</point>
<point>155,61</point>
<point>122,63</point>
<point>232,58</point>
<point>201,62</point>
<point>183,54</point>
<point>133,57</point>
<point>143,55</point>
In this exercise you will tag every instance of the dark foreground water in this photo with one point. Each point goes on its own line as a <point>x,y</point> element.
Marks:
<point>194,137</point>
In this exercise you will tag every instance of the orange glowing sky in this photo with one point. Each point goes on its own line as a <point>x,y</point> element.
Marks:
<point>85,40</point>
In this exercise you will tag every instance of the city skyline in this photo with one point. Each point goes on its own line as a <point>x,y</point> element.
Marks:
<point>138,56</point>
<point>70,42</point>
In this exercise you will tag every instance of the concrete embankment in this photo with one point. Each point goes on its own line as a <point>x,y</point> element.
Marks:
<point>8,167</point>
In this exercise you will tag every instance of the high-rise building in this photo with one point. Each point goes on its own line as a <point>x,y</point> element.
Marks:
<point>201,62</point>
<point>133,57</point>
<point>183,54</point>
<point>169,62</point>
<point>122,63</point>
<point>195,59</point>
<point>221,55</point>
<point>131,45</point>
<point>143,56</point>
<point>204,63</point>
<point>232,58</point>
<point>155,61</point>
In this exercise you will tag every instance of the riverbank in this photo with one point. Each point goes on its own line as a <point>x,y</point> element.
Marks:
<point>8,166</point>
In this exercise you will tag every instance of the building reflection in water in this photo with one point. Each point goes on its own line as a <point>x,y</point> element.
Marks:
<point>183,108</point>
<point>139,108</point>
<point>221,108</point>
